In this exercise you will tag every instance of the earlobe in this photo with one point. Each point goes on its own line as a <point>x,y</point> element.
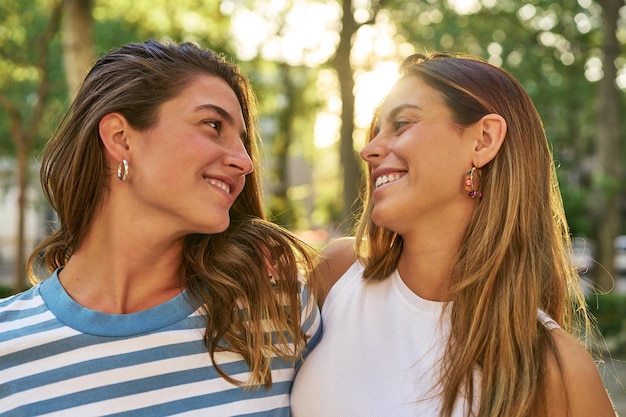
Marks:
<point>113,129</point>
<point>493,129</point>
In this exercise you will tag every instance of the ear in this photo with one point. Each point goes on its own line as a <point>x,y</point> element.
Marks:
<point>491,132</point>
<point>114,129</point>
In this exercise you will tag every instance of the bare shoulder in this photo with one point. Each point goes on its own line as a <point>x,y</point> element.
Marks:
<point>336,259</point>
<point>576,388</point>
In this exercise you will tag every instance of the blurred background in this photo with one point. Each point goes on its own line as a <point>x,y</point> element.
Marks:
<point>319,69</point>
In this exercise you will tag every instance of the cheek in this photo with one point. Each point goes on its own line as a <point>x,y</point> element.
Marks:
<point>164,169</point>
<point>241,182</point>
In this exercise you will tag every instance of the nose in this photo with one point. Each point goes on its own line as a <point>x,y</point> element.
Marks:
<point>374,149</point>
<point>239,158</point>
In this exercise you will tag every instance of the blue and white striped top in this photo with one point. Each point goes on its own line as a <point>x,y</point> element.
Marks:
<point>58,358</point>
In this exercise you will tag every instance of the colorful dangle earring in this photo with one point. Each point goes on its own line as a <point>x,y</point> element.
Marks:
<point>469,185</point>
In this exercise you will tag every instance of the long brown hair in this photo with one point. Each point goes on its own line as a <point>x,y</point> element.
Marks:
<point>514,257</point>
<point>227,273</point>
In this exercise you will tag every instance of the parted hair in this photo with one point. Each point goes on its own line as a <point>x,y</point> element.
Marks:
<point>513,259</point>
<point>225,273</point>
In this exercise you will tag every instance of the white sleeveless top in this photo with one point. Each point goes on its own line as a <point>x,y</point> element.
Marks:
<point>379,353</point>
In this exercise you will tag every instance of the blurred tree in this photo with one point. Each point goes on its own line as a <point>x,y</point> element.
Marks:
<point>77,35</point>
<point>279,204</point>
<point>287,115</point>
<point>608,167</point>
<point>26,79</point>
<point>276,32</point>
<point>284,68</point>
<point>201,21</point>
<point>342,63</point>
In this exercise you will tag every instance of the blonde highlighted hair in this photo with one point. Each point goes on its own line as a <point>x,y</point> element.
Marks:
<point>514,256</point>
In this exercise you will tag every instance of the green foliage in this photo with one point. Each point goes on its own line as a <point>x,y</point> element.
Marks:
<point>5,291</point>
<point>21,25</point>
<point>119,21</point>
<point>575,200</point>
<point>288,107</point>
<point>610,313</point>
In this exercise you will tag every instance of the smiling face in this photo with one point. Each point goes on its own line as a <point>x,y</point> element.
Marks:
<point>418,159</point>
<point>189,168</point>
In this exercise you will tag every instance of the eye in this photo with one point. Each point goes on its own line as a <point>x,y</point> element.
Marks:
<point>399,124</point>
<point>214,124</point>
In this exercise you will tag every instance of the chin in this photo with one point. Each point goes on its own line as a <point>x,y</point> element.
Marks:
<point>389,219</point>
<point>222,228</point>
<point>215,228</point>
<point>380,219</point>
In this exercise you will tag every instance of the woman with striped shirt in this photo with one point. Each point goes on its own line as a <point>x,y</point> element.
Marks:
<point>170,293</point>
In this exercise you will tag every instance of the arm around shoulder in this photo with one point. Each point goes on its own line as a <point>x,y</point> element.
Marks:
<point>336,259</point>
<point>576,389</point>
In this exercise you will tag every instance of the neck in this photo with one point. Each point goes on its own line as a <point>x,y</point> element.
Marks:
<point>428,257</point>
<point>122,270</point>
<point>426,271</point>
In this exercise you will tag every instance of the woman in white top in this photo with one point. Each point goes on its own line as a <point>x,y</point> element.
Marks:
<point>462,300</point>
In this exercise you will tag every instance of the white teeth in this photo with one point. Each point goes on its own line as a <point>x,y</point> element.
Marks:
<point>219,184</point>
<point>384,179</point>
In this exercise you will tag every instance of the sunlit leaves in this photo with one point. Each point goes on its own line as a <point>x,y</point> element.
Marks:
<point>21,25</point>
<point>18,73</point>
<point>199,21</point>
<point>298,32</point>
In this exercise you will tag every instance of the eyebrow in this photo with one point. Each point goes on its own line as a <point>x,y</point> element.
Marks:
<point>394,112</point>
<point>222,112</point>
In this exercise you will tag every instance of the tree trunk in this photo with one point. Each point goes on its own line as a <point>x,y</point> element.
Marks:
<point>282,209</point>
<point>23,134</point>
<point>608,168</point>
<point>348,158</point>
<point>20,139</point>
<point>77,42</point>
<point>22,200</point>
